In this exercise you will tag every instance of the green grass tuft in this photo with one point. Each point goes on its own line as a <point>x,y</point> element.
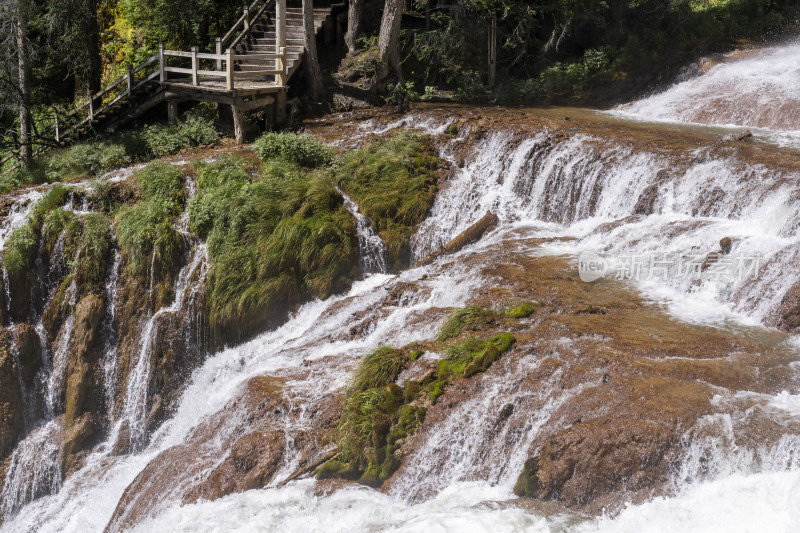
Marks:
<point>20,251</point>
<point>471,318</point>
<point>145,230</point>
<point>393,181</point>
<point>273,242</point>
<point>378,368</point>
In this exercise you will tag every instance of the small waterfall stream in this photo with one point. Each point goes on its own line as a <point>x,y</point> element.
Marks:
<point>370,244</point>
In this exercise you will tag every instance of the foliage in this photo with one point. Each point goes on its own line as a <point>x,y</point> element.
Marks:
<point>393,181</point>
<point>163,139</point>
<point>273,241</point>
<point>145,230</point>
<point>378,368</point>
<point>95,247</point>
<point>20,251</point>
<point>301,150</point>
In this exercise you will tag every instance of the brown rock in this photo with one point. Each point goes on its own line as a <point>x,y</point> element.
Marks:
<point>789,311</point>
<point>11,419</point>
<point>29,350</point>
<point>82,396</point>
<point>77,440</point>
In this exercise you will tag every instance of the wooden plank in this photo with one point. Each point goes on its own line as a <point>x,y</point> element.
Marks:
<point>213,73</point>
<point>147,80</point>
<point>255,74</point>
<point>178,70</point>
<point>255,104</point>
<point>177,53</point>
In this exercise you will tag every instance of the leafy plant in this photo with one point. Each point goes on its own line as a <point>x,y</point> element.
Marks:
<point>301,150</point>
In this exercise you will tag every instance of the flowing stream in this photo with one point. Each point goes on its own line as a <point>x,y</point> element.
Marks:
<point>651,215</point>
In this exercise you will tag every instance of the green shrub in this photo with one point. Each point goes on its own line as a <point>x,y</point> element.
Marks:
<point>145,230</point>
<point>55,197</point>
<point>161,181</point>
<point>165,139</point>
<point>58,222</point>
<point>273,242</point>
<point>95,248</point>
<point>301,150</point>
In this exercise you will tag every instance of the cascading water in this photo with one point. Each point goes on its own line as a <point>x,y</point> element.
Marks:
<point>582,192</point>
<point>756,89</point>
<point>134,411</point>
<point>371,246</point>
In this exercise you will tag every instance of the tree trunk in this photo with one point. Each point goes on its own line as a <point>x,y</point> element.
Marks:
<point>313,73</point>
<point>25,122</point>
<point>354,14</point>
<point>389,45</point>
<point>94,74</point>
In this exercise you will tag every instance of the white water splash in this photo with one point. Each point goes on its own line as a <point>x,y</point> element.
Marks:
<point>371,246</point>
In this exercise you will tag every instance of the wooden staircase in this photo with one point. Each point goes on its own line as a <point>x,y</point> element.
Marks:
<point>262,39</point>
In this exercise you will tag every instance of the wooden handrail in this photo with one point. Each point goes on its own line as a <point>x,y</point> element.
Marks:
<point>239,22</point>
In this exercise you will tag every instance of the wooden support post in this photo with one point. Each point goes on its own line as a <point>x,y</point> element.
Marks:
<point>280,25</point>
<point>219,53</point>
<point>281,66</point>
<point>91,105</point>
<point>269,115</point>
<point>280,108</point>
<point>229,77</point>
<point>247,21</point>
<point>162,76</point>
<point>492,51</point>
<point>238,124</point>
<point>195,80</point>
<point>130,80</point>
<point>172,111</point>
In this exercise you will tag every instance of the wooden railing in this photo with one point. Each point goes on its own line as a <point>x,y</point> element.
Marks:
<point>196,73</point>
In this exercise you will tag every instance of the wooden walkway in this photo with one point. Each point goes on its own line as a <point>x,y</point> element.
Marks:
<point>250,69</point>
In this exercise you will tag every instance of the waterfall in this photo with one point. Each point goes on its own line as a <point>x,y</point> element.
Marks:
<point>189,281</point>
<point>34,470</point>
<point>557,191</point>
<point>371,247</point>
<point>110,355</point>
<point>755,89</point>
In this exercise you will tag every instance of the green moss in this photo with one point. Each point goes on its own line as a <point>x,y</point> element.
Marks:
<point>301,150</point>
<point>471,318</point>
<point>416,354</point>
<point>521,311</point>
<point>393,181</point>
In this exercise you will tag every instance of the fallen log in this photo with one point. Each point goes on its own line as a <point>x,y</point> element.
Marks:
<point>470,235</point>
